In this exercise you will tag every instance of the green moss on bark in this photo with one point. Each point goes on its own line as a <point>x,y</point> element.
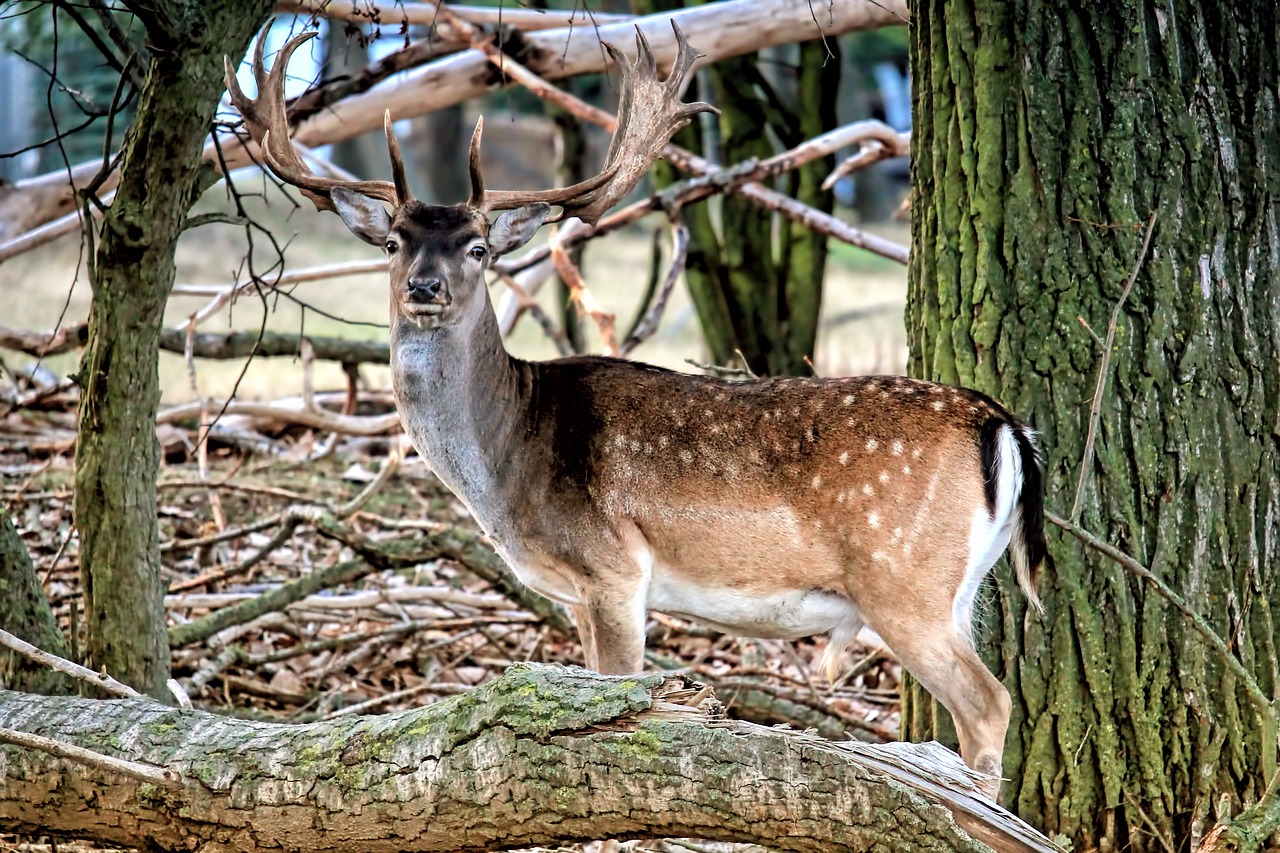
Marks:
<point>1045,134</point>
<point>117,453</point>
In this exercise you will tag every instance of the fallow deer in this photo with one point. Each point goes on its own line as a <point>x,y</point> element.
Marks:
<point>778,508</point>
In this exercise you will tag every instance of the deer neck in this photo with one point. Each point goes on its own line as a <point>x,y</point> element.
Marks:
<point>457,390</point>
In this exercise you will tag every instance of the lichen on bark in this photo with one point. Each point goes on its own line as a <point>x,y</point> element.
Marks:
<point>542,756</point>
<point>1045,134</point>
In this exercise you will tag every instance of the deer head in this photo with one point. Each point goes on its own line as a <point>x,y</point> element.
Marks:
<point>438,253</point>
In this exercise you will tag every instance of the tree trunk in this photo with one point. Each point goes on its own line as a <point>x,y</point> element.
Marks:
<point>117,451</point>
<point>25,613</point>
<point>1046,133</point>
<point>541,757</point>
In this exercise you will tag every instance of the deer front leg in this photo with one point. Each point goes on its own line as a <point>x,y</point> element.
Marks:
<point>611,623</point>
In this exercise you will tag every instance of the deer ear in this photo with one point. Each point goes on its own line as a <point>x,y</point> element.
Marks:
<point>513,229</point>
<point>366,217</point>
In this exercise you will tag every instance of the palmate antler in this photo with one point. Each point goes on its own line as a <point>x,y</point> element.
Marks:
<point>649,113</point>
<point>268,123</point>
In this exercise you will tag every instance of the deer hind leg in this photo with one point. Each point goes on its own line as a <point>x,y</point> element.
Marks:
<point>931,646</point>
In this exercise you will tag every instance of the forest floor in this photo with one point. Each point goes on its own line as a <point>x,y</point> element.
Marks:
<point>279,503</point>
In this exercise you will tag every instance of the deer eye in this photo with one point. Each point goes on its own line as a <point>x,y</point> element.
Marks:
<point>391,247</point>
<point>477,252</point>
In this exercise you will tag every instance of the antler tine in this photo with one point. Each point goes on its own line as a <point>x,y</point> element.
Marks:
<point>397,162</point>
<point>267,120</point>
<point>649,113</point>
<point>487,200</point>
<point>477,179</point>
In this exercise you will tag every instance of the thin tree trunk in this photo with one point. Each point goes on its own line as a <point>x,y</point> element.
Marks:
<point>1046,133</point>
<point>117,452</point>
<point>541,757</point>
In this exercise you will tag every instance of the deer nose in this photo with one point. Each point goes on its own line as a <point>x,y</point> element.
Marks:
<point>424,289</point>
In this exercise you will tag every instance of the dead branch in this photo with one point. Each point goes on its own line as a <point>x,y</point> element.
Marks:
<point>719,30</point>
<point>878,142</point>
<point>583,299</point>
<point>88,758</point>
<point>710,178</point>
<point>100,680</point>
<point>1261,701</point>
<point>222,294</point>
<point>201,629</point>
<point>428,14</point>
<point>210,345</point>
<point>679,254</point>
<point>319,419</point>
<point>1095,410</point>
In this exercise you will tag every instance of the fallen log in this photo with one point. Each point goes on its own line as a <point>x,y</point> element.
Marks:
<point>543,756</point>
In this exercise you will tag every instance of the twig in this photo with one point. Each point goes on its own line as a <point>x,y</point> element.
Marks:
<point>388,470</point>
<point>281,536</point>
<point>526,302</point>
<point>1146,819</point>
<point>679,255</point>
<point>184,701</point>
<point>202,443</point>
<point>1095,410</point>
<point>277,599</point>
<point>225,536</point>
<point>582,297</point>
<point>689,162</point>
<point>1203,628</point>
<point>133,769</point>
<point>98,679</point>
<point>213,668</point>
<point>722,370</point>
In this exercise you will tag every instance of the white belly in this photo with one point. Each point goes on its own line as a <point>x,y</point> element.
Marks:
<point>788,615</point>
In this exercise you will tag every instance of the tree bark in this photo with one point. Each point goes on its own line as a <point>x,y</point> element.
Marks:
<point>117,452</point>
<point>543,756</point>
<point>25,613</point>
<point>1046,133</point>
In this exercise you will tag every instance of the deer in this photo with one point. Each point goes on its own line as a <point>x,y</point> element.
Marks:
<point>772,507</point>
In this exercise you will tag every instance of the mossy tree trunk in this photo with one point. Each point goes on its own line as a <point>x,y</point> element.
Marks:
<point>1046,132</point>
<point>25,613</point>
<point>117,452</point>
<point>755,279</point>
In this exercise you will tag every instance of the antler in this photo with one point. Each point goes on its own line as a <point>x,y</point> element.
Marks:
<point>649,113</point>
<point>267,120</point>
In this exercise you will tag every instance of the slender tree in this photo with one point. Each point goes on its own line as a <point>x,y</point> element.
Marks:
<point>117,454</point>
<point>756,280</point>
<point>1046,134</point>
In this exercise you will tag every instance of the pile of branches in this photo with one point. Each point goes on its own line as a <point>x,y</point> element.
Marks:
<point>308,588</point>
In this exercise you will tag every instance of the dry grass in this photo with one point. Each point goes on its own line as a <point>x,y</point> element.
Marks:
<point>616,269</point>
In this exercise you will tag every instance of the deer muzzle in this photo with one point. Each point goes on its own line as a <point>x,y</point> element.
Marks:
<point>426,296</point>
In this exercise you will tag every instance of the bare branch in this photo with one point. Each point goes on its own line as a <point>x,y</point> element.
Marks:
<point>132,769</point>
<point>1095,410</point>
<point>98,679</point>
<point>679,254</point>
<point>719,30</point>
<point>583,298</point>
<point>320,419</point>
